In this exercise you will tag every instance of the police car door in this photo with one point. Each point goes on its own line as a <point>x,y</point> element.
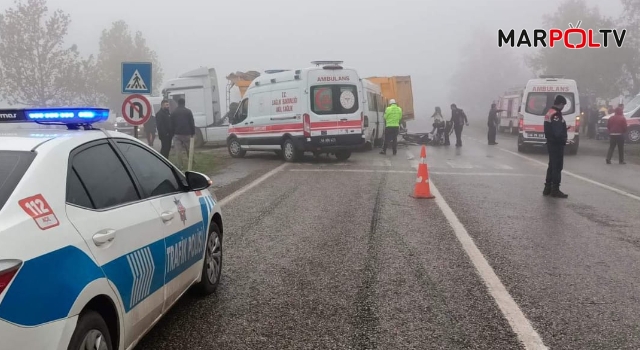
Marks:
<point>122,230</point>
<point>183,219</point>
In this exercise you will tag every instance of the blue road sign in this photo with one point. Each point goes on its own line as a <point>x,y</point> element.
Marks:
<point>136,77</point>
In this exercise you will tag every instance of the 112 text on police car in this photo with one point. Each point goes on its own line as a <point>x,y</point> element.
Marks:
<point>580,38</point>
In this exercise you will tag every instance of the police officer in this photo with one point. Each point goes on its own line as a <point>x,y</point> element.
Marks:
<point>392,117</point>
<point>555,131</point>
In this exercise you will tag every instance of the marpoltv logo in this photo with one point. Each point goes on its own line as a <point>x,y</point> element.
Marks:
<point>571,38</point>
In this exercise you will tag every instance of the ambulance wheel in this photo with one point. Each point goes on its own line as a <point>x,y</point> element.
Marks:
<point>212,267</point>
<point>235,149</point>
<point>199,140</point>
<point>289,151</point>
<point>343,155</point>
<point>91,333</point>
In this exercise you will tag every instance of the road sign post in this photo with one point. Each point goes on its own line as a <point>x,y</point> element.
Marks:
<point>136,110</point>
<point>137,78</point>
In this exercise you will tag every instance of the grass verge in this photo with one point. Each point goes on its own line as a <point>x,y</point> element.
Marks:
<point>203,162</point>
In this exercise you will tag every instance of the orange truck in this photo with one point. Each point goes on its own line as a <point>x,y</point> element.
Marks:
<point>399,89</point>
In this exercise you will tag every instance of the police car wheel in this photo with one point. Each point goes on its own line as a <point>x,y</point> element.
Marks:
<point>212,267</point>
<point>235,149</point>
<point>91,333</point>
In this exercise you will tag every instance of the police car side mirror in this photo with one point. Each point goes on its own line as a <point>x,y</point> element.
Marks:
<point>197,181</point>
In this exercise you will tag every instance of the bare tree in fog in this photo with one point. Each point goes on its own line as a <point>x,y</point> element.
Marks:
<point>485,72</point>
<point>117,45</point>
<point>598,72</point>
<point>36,68</point>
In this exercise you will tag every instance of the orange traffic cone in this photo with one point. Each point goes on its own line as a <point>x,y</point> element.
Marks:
<point>422,189</point>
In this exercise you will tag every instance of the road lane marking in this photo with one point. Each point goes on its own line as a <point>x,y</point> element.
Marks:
<point>580,177</point>
<point>502,167</point>
<point>251,185</point>
<point>480,174</point>
<point>509,308</point>
<point>353,171</point>
<point>459,165</point>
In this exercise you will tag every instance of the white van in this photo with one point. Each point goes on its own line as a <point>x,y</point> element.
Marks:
<point>290,112</point>
<point>374,106</point>
<point>537,100</point>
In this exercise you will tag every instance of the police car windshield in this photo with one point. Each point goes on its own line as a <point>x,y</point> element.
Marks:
<point>538,103</point>
<point>632,105</point>
<point>13,165</point>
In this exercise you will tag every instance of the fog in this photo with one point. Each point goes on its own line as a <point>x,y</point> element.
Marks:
<point>423,39</point>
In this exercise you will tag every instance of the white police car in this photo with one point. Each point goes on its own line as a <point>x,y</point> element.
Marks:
<point>99,234</point>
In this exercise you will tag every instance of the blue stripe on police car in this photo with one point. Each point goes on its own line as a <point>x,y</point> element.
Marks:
<point>47,286</point>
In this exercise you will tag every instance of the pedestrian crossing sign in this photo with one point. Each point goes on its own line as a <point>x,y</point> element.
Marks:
<point>136,77</point>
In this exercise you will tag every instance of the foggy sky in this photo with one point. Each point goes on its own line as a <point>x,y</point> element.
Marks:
<point>421,38</point>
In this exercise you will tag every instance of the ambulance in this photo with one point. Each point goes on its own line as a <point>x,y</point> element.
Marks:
<point>291,112</point>
<point>537,99</point>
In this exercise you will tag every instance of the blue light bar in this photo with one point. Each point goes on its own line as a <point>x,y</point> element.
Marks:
<point>80,116</point>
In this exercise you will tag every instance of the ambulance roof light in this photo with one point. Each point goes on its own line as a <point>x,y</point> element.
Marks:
<point>552,76</point>
<point>73,118</point>
<point>325,63</point>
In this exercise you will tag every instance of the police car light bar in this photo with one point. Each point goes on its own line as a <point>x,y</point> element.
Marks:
<point>60,116</point>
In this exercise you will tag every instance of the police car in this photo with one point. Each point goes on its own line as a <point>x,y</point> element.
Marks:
<point>99,234</point>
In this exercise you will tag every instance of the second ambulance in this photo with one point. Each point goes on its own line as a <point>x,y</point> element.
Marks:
<point>537,100</point>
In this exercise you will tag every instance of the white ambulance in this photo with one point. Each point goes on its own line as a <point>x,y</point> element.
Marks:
<point>537,100</point>
<point>316,109</point>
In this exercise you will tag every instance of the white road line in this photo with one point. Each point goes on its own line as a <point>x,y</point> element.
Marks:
<point>502,167</point>
<point>580,177</point>
<point>352,171</point>
<point>251,185</point>
<point>480,174</point>
<point>458,165</point>
<point>510,309</point>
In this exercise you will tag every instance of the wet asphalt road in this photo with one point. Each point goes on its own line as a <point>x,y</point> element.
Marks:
<point>336,255</point>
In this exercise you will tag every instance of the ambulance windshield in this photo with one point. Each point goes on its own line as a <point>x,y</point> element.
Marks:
<point>538,103</point>
<point>13,165</point>
<point>632,105</point>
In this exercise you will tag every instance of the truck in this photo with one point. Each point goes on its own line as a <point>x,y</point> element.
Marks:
<point>399,89</point>
<point>199,89</point>
<point>509,103</point>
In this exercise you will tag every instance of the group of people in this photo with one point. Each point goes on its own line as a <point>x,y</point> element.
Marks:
<point>174,128</point>
<point>393,118</point>
<point>555,130</point>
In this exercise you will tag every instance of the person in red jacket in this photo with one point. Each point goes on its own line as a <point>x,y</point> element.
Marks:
<point>617,126</point>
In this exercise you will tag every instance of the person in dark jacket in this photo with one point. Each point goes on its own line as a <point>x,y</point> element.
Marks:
<point>459,120</point>
<point>592,120</point>
<point>165,128</point>
<point>493,122</point>
<point>184,129</point>
<point>555,131</point>
<point>617,126</point>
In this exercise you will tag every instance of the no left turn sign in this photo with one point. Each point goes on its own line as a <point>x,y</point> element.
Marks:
<point>136,109</point>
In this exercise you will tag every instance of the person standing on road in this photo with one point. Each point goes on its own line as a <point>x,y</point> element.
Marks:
<point>617,126</point>
<point>438,119</point>
<point>150,130</point>
<point>165,128</point>
<point>592,122</point>
<point>183,130</point>
<point>392,118</point>
<point>555,131</point>
<point>493,122</point>
<point>459,120</point>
